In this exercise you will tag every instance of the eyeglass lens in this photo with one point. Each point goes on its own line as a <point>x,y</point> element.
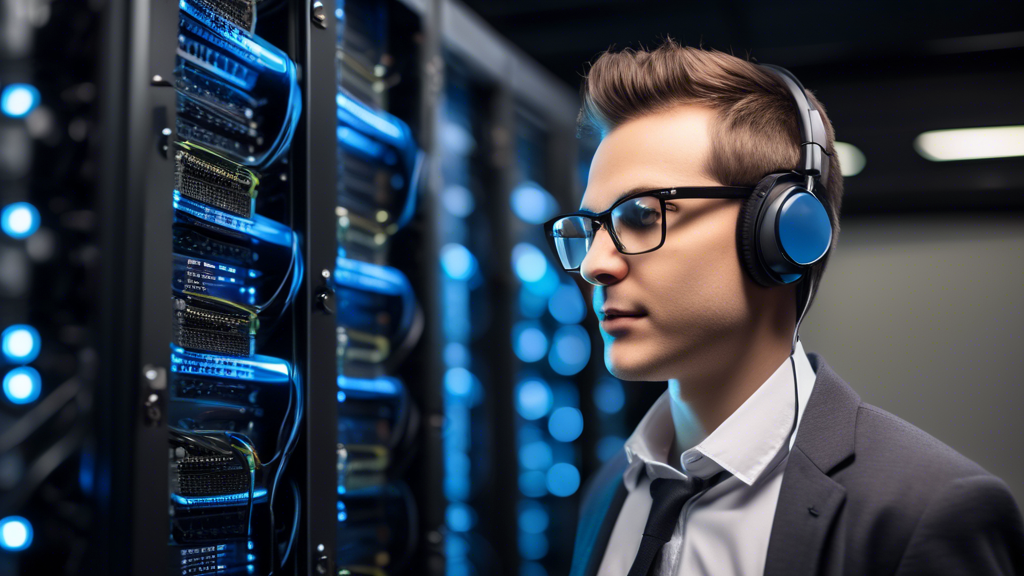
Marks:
<point>636,223</point>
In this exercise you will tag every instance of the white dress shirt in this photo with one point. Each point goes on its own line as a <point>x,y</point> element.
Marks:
<point>723,530</point>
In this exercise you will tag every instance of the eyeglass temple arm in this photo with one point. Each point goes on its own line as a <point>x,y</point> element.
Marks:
<point>708,192</point>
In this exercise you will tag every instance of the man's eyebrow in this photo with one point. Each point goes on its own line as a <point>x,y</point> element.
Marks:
<point>630,192</point>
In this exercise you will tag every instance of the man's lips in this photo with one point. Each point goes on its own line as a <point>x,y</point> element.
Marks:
<point>607,314</point>
<point>620,325</point>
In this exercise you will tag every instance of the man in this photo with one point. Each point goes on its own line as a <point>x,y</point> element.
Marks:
<point>758,458</point>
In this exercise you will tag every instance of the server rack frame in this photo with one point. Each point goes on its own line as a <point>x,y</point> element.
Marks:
<point>137,171</point>
<point>136,174</point>
<point>316,141</point>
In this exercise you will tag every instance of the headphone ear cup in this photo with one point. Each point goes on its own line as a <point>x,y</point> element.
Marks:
<point>747,231</point>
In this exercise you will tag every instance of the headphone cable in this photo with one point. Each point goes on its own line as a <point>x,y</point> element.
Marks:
<point>796,389</point>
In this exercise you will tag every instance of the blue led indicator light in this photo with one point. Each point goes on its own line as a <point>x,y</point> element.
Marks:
<point>19,100</point>
<point>458,381</point>
<point>529,341</point>
<point>533,518</point>
<point>535,455</point>
<point>460,517</point>
<point>570,350</point>
<point>609,397</point>
<point>563,479</point>
<point>567,305</point>
<point>608,446</point>
<point>458,200</point>
<point>20,343</point>
<point>458,262</point>
<point>532,203</point>
<point>22,385</point>
<point>529,262</point>
<point>15,533</point>
<point>533,399</point>
<point>565,424</point>
<point>533,546</point>
<point>533,484</point>
<point>19,220</point>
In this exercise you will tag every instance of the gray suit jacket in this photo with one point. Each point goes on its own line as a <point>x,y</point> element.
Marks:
<point>863,493</point>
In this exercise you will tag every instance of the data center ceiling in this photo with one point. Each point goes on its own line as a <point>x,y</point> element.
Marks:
<point>564,34</point>
<point>885,72</point>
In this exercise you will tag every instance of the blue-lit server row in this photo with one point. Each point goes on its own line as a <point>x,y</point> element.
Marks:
<point>48,269</point>
<point>366,364</point>
<point>235,401</point>
<point>529,409</point>
<point>380,320</point>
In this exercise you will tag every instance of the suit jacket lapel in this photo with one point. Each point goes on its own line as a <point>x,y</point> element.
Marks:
<point>599,510</point>
<point>809,499</point>
<point>808,502</point>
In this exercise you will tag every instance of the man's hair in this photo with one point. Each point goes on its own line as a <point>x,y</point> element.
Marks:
<point>755,131</point>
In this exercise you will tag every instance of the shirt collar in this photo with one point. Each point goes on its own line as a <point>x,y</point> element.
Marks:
<point>745,444</point>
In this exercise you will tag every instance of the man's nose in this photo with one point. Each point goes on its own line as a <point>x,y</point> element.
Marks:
<point>603,265</point>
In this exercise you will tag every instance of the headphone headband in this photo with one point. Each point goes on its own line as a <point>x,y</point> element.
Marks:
<point>814,161</point>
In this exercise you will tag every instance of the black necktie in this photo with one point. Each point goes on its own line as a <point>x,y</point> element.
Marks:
<point>668,498</point>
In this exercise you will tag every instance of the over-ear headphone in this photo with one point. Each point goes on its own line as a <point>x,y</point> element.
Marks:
<point>784,229</point>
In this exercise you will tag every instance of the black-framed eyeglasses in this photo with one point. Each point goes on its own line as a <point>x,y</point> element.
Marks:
<point>636,223</point>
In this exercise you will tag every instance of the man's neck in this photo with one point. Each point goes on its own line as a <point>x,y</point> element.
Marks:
<point>703,400</point>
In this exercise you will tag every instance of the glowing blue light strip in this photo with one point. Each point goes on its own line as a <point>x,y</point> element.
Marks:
<point>414,181</point>
<point>384,385</point>
<point>374,123</point>
<point>354,141</point>
<point>372,277</point>
<point>258,226</point>
<point>213,46</point>
<point>258,495</point>
<point>253,51</point>
<point>284,138</point>
<point>259,368</point>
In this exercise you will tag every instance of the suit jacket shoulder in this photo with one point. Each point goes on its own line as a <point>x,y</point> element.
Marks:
<point>883,438</point>
<point>902,501</point>
<point>918,495</point>
<point>864,492</point>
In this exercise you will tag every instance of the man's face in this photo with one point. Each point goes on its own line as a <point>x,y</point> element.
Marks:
<point>692,291</point>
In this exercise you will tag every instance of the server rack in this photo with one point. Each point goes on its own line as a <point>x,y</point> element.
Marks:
<point>203,185</point>
<point>186,134</point>
<point>387,500</point>
<point>204,105</point>
<point>522,124</point>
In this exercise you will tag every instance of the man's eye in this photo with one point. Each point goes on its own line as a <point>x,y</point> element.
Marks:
<point>640,216</point>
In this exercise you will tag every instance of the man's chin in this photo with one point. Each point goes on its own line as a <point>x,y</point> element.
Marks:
<point>634,366</point>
